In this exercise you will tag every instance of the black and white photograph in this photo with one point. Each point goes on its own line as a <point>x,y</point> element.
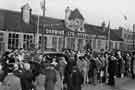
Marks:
<point>67,44</point>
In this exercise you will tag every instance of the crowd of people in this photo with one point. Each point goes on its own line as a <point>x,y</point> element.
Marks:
<point>32,70</point>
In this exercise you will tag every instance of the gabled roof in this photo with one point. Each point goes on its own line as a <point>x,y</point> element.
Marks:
<point>76,14</point>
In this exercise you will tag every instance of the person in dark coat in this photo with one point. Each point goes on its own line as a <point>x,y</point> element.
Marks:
<point>92,71</point>
<point>133,66</point>
<point>26,77</point>
<point>67,74</point>
<point>4,66</point>
<point>111,70</point>
<point>120,65</point>
<point>11,81</point>
<point>77,79</point>
<point>50,78</point>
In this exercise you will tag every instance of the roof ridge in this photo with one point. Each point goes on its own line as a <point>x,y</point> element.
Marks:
<point>8,10</point>
<point>19,12</point>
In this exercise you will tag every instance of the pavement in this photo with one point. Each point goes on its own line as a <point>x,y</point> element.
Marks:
<point>121,84</point>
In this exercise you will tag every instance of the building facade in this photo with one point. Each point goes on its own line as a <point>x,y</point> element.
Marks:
<point>50,33</point>
<point>127,36</point>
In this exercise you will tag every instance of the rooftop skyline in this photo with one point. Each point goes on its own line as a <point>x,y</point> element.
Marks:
<point>94,11</point>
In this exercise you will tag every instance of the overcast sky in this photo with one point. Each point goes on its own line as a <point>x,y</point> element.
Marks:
<point>94,11</point>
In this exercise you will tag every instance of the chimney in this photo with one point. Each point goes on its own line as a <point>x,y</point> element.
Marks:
<point>67,13</point>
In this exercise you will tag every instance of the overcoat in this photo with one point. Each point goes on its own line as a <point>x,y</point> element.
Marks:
<point>12,82</point>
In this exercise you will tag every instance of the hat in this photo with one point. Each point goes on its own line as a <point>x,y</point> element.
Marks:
<point>11,66</point>
<point>27,66</point>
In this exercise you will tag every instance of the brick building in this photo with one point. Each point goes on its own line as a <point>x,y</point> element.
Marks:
<point>71,32</point>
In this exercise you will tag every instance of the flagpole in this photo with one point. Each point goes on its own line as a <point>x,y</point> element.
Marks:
<point>109,36</point>
<point>43,26</point>
<point>133,36</point>
<point>44,7</point>
<point>37,33</point>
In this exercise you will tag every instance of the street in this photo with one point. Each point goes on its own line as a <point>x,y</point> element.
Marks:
<point>121,84</point>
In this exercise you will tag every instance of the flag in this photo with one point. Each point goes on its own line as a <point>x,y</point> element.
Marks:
<point>103,26</point>
<point>42,4</point>
<point>125,17</point>
<point>108,27</point>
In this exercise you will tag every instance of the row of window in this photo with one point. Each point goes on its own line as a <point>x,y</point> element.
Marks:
<point>81,35</point>
<point>55,32</point>
<point>14,41</point>
<point>1,42</point>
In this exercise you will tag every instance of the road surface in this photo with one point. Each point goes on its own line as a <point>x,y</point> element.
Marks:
<point>121,84</point>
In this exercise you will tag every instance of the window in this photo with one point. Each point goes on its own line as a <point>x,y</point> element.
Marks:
<point>1,42</point>
<point>60,43</point>
<point>99,44</point>
<point>71,43</point>
<point>45,42</point>
<point>13,41</point>
<point>94,43</point>
<point>80,44</point>
<point>28,41</point>
<point>116,45</point>
<point>88,44</point>
<point>54,42</point>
